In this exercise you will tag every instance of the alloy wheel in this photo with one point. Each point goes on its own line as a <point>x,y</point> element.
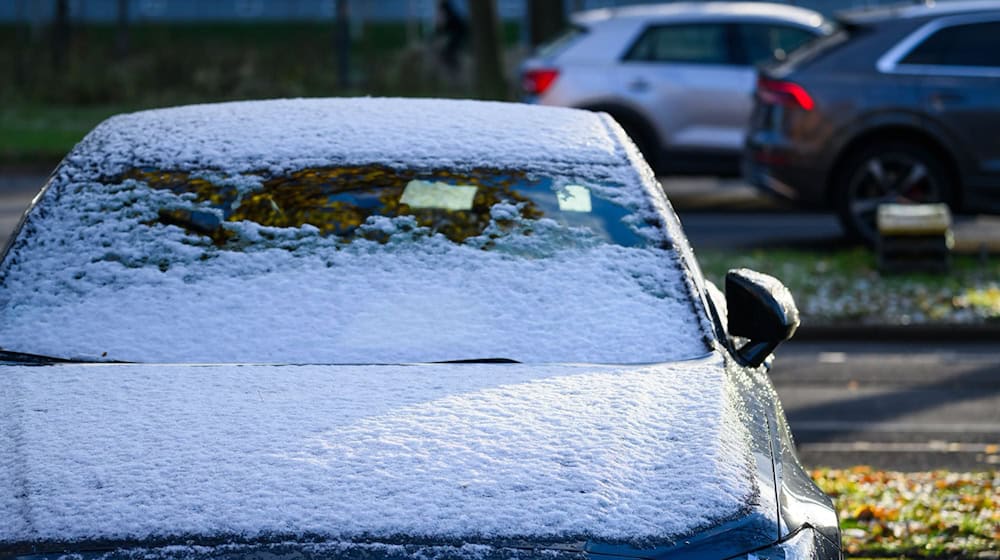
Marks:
<point>891,177</point>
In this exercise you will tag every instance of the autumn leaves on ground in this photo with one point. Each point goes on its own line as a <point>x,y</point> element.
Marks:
<point>916,515</point>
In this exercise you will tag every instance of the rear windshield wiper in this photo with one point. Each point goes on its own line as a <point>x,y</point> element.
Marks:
<point>24,358</point>
<point>479,361</point>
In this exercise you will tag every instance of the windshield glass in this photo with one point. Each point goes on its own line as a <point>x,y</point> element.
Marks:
<point>340,201</point>
<point>353,264</point>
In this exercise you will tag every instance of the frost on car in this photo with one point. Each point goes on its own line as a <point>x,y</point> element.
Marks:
<point>379,328</point>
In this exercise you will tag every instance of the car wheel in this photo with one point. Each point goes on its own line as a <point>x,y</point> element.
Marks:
<point>900,173</point>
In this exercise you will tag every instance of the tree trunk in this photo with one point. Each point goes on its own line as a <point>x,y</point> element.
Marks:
<point>60,33</point>
<point>548,19</point>
<point>343,44</point>
<point>20,41</point>
<point>486,50</point>
<point>121,33</point>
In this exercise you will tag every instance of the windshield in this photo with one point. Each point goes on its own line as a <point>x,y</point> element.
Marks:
<point>350,264</point>
<point>341,201</point>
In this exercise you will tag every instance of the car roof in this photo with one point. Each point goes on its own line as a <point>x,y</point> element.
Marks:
<point>703,11</point>
<point>293,134</point>
<point>929,10</point>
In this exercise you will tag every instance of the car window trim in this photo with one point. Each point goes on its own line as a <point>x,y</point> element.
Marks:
<point>889,63</point>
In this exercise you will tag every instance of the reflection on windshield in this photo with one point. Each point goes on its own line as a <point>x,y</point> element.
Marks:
<point>338,201</point>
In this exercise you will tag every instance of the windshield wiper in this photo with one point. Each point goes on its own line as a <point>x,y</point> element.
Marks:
<point>479,361</point>
<point>24,358</point>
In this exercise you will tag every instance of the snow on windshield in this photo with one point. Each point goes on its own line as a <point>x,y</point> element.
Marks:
<point>132,270</point>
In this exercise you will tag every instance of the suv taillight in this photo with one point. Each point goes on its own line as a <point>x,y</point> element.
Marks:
<point>535,82</point>
<point>780,92</point>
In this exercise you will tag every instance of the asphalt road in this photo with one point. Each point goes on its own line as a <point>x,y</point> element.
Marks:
<point>895,406</point>
<point>16,191</point>
<point>758,230</point>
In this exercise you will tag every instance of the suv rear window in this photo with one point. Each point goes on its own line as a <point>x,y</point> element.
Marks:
<point>974,44</point>
<point>819,48</point>
<point>766,42</point>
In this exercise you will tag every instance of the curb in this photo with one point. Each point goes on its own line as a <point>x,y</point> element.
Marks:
<point>900,333</point>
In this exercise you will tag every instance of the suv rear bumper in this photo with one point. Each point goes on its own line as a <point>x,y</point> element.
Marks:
<point>785,174</point>
<point>776,166</point>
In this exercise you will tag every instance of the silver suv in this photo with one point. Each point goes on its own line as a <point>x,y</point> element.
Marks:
<point>678,77</point>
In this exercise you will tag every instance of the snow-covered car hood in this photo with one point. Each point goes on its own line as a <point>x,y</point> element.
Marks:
<point>436,452</point>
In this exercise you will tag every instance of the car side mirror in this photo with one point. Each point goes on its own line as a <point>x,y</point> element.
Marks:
<point>761,310</point>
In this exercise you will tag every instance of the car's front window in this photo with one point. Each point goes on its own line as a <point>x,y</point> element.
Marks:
<point>349,264</point>
<point>340,202</point>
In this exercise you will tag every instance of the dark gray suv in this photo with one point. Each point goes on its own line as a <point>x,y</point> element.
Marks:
<point>900,105</point>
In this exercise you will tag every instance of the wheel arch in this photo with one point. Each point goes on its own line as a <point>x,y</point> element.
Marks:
<point>897,132</point>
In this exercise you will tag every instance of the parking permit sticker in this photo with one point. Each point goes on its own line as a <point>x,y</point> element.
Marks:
<point>574,198</point>
<point>427,194</point>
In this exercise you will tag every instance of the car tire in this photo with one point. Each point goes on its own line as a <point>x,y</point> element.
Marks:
<point>888,172</point>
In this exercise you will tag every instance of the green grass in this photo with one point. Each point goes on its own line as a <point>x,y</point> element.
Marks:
<point>845,286</point>
<point>32,133</point>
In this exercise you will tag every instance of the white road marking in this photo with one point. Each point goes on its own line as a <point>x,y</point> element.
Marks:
<point>832,357</point>
<point>901,447</point>
<point>908,427</point>
<point>919,357</point>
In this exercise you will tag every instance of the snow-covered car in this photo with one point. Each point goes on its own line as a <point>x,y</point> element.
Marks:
<point>377,328</point>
